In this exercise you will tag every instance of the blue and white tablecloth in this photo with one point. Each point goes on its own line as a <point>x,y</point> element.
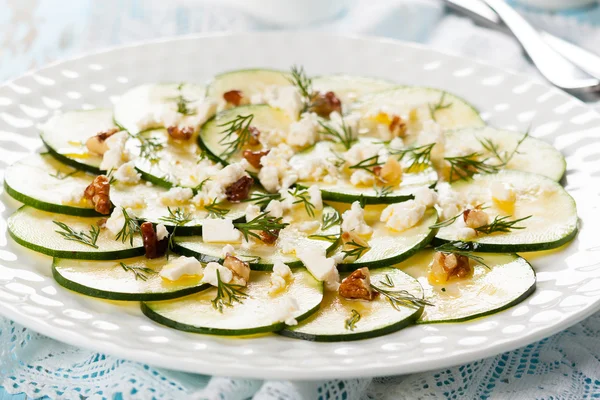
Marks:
<point>34,32</point>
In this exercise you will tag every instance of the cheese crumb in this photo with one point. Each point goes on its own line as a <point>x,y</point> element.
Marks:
<point>215,230</point>
<point>116,154</point>
<point>252,211</point>
<point>116,221</point>
<point>161,232</point>
<point>426,196</point>
<point>402,216</point>
<point>315,197</point>
<point>182,266</point>
<point>502,192</point>
<point>176,196</point>
<point>127,174</point>
<point>304,132</point>
<point>286,311</point>
<point>354,220</point>
<point>279,277</point>
<point>275,208</point>
<point>321,267</point>
<point>227,250</point>
<point>210,274</point>
<point>360,177</point>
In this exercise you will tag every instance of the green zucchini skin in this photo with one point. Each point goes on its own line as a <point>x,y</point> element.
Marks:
<point>57,208</point>
<point>368,200</point>
<point>70,161</point>
<point>120,296</point>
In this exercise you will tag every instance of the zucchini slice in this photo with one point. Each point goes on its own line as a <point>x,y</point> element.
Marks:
<point>248,81</point>
<point>553,212</point>
<point>377,317</point>
<point>266,119</point>
<point>257,313</point>
<point>145,201</point>
<point>42,182</point>
<point>533,155</point>
<point>349,88</point>
<point>341,190</point>
<point>508,281</point>
<point>388,247</point>
<point>169,162</point>
<point>37,231</point>
<point>65,135</point>
<point>261,257</point>
<point>137,104</point>
<point>137,280</point>
<point>457,113</point>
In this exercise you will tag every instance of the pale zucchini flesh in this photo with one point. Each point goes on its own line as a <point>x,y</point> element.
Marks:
<point>553,212</point>
<point>349,88</point>
<point>42,182</point>
<point>257,313</point>
<point>138,280</point>
<point>36,230</point>
<point>377,317</point>
<point>261,256</point>
<point>533,155</point>
<point>506,281</point>
<point>247,81</point>
<point>136,105</point>
<point>65,135</point>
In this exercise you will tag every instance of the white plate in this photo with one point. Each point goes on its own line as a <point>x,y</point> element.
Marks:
<point>568,280</point>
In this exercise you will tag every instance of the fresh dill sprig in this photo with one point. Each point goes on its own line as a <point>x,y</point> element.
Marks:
<point>342,135</point>
<point>350,323</point>
<point>61,175</point>
<point>300,79</point>
<point>368,164</point>
<point>356,251</point>
<point>330,220</point>
<point>262,199</point>
<point>501,224</point>
<point>388,281</point>
<point>236,134</point>
<point>140,273</point>
<point>129,229</point>
<point>420,155</point>
<point>182,102</point>
<point>214,210</point>
<point>148,148</point>
<point>302,197</point>
<point>494,148</point>
<point>88,238</point>
<point>200,186</point>
<point>446,222</point>
<point>338,160</point>
<point>227,294</point>
<point>382,191</point>
<point>177,217</point>
<point>434,108</point>
<point>464,167</point>
<point>330,238</point>
<point>462,249</point>
<point>262,222</point>
<point>401,298</point>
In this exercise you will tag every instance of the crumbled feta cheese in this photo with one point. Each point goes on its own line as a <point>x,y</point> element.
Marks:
<point>227,250</point>
<point>432,132</point>
<point>215,230</point>
<point>396,144</point>
<point>176,196</point>
<point>426,196</point>
<point>502,192</point>
<point>317,169</point>
<point>308,226</point>
<point>465,233</point>
<point>161,232</point>
<point>210,274</point>
<point>321,267</point>
<point>127,173</point>
<point>204,111</point>
<point>116,221</point>
<point>75,197</point>
<point>304,132</point>
<point>347,124</point>
<point>275,209</point>
<point>252,211</point>
<point>315,197</point>
<point>288,99</point>
<point>133,202</point>
<point>269,178</point>
<point>449,201</point>
<point>224,178</point>
<point>149,184</point>
<point>116,154</point>
<point>286,311</point>
<point>354,220</point>
<point>402,216</point>
<point>181,266</point>
<point>276,173</point>
<point>363,150</point>
<point>360,177</point>
<point>279,277</point>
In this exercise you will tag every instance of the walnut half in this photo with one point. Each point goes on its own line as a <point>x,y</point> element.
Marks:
<point>154,248</point>
<point>97,143</point>
<point>233,97</point>
<point>447,265</point>
<point>254,157</point>
<point>240,269</point>
<point>183,133</point>
<point>239,190</point>
<point>98,192</point>
<point>324,104</point>
<point>358,285</point>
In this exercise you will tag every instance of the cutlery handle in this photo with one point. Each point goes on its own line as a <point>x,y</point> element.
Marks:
<point>557,69</point>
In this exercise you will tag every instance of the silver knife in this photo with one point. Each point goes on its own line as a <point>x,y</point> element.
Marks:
<point>484,15</point>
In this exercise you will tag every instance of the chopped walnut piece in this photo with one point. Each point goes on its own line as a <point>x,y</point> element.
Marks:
<point>324,104</point>
<point>233,97</point>
<point>475,218</point>
<point>390,172</point>
<point>239,190</point>
<point>352,241</point>
<point>447,265</point>
<point>269,237</point>
<point>254,136</point>
<point>254,157</point>
<point>154,248</point>
<point>98,192</point>
<point>184,133</point>
<point>358,285</point>
<point>97,143</point>
<point>397,126</point>
<point>240,269</point>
